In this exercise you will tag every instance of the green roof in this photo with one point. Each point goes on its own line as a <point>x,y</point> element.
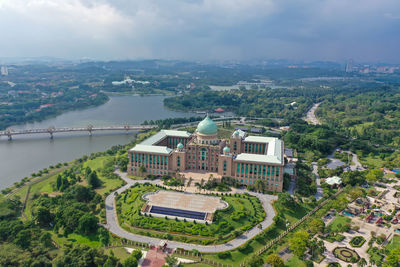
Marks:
<point>227,149</point>
<point>207,127</point>
<point>180,146</point>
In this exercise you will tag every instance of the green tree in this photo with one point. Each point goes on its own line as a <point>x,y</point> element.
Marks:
<point>275,260</point>
<point>104,236</point>
<point>59,182</point>
<point>88,224</point>
<point>286,200</point>
<point>298,243</point>
<point>45,239</point>
<point>130,262</point>
<point>393,258</point>
<point>362,262</point>
<point>171,261</point>
<point>255,261</point>
<point>93,180</point>
<point>316,226</point>
<point>43,216</point>
<point>374,175</point>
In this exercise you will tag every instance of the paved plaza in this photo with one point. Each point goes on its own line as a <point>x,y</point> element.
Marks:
<point>185,201</point>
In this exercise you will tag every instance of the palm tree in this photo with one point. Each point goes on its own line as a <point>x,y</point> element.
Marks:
<point>362,262</point>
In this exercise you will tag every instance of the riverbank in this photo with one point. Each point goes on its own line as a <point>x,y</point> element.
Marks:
<point>25,155</point>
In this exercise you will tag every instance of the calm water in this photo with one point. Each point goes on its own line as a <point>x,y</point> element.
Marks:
<point>24,155</point>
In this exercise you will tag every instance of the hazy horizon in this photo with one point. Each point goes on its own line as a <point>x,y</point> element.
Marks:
<point>202,30</point>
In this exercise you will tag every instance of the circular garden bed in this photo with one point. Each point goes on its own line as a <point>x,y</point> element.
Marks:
<point>346,254</point>
<point>357,241</point>
<point>334,264</point>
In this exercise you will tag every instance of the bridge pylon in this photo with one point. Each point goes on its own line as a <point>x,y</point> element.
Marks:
<point>126,126</point>
<point>90,128</point>
<point>51,130</point>
<point>8,133</point>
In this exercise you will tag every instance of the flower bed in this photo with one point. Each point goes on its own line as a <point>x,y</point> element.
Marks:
<point>357,241</point>
<point>346,254</point>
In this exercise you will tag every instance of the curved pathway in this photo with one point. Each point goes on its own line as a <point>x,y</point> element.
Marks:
<point>114,227</point>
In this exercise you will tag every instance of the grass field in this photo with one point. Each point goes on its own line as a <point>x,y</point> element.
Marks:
<point>295,262</point>
<point>237,257</point>
<point>339,220</point>
<point>394,243</point>
<point>108,184</point>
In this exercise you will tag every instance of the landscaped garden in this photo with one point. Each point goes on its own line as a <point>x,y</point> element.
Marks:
<point>346,254</point>
<point>244,212</point>
<point>357,241</point>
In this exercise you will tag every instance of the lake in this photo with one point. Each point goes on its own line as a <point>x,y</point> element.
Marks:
<point>27,154</point>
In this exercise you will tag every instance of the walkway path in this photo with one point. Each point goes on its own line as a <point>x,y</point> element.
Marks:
<point>319,194</point>
<point>292,186</point>
<point>311,118</point>
<point>356,163</point>
<point>114,227</point>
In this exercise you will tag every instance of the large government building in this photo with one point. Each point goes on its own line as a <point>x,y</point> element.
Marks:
<point>245,158</point>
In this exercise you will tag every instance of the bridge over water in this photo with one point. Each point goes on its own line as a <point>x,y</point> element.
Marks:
<point>90,128</point>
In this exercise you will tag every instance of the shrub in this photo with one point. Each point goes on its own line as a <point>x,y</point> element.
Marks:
<point>357,241</point>
<point>224,255</point>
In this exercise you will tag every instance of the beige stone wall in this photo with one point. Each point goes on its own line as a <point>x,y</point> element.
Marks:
<point>235,149</point>
<point>178,161</point>
<point>202,157</point>
<point>225,165</point>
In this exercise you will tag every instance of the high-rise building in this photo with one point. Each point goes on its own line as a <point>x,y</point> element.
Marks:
<point>349,66</point>
<point>4,70</point>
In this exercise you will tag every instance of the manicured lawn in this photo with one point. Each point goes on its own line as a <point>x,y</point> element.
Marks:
<point>394,243</point>
<point>119,252</point>
<point>243,213</point>
<point>346,254</point>
<point>339,220</point>
<point>295,262</point>
<point>108,184</point>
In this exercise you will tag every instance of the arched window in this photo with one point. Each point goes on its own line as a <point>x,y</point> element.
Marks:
<point>224,165</point>
<point>178,161</point>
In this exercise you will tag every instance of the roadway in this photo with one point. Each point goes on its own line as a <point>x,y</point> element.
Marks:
<point>114,227</point>
<point>320,193</point>
<point>311,118</point>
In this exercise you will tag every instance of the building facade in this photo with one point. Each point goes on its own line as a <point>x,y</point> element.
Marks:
<point>242,157</point>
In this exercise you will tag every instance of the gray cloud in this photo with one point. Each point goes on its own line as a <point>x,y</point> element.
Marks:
<point>202,29</point>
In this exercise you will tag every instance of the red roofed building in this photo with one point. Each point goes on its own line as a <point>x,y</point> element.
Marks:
<point>219,110</point>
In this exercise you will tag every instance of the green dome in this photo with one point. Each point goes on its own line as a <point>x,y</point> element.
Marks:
<point>227,149</point>
<point>180,146</point>
<point>207,127</point>
<point>236,132</point>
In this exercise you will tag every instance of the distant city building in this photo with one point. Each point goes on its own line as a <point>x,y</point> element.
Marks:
<point>4,70</point>
<point>349,66</point>
<point>244,158</point>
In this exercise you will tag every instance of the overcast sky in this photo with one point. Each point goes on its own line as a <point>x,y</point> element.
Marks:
<point>365,30</point>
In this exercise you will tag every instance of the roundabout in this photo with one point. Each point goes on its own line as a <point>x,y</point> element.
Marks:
<point>114,227</point>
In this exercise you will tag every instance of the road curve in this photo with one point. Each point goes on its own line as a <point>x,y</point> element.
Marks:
<point>310,117</point>
<point>114,227</point>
